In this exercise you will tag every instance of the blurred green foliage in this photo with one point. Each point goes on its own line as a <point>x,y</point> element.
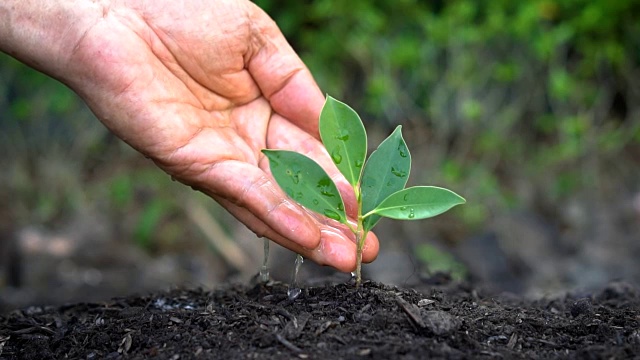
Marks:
<point>59,164</point>
<point>436,260</point>
<point>518,103</point>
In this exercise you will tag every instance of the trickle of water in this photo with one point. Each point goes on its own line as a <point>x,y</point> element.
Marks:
<point>264,270</point>
<point>294,290</point>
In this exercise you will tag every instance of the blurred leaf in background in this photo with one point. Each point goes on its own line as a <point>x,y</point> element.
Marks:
<point>436,260</point>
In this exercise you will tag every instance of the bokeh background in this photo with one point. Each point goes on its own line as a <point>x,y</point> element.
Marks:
<point>529,109</point>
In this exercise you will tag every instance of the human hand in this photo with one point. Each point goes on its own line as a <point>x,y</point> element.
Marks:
<point>200,87</point>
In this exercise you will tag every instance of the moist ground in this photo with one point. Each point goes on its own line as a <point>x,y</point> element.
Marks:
<point>331,321</point>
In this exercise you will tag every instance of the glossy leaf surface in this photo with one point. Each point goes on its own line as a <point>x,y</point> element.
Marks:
<point>345,138</point>
<point>418,202</point>
<point>385,173</point>
<point>306,183</point>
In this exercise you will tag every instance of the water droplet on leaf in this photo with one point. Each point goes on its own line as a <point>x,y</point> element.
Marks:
<point>335,156</point>
<point>332,214</point>
<point>324,186</point>
<point>344,135</point>
<point>398,173</point>
<point>402,150</point>
<point>315,202</point>
<point>411,214</point>
<point>359,163</point>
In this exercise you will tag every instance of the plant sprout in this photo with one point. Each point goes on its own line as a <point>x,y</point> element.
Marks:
<point>378,182</point>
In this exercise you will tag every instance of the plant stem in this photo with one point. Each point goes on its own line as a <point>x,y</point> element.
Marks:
<point>361,234</point>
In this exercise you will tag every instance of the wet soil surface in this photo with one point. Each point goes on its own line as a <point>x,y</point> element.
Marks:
<point>333,321</point>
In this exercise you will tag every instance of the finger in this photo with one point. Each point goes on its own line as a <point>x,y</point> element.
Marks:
<point>331,227</point>
<point>336,247</point>
<point>246,186</point>
<point>282,76</point>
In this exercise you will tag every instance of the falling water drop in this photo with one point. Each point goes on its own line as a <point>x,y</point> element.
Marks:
<point>294,290</point>
<point>293,293</point>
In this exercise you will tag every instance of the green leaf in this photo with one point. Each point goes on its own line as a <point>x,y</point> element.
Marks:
<point>345,138</point>
<point>385,173</point>
<point>418,202</point>
<point>306,182</point>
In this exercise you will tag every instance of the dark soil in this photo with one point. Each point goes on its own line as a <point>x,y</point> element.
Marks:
<point>334,321</point>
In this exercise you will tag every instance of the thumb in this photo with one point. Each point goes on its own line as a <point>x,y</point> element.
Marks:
<point>282,76</point>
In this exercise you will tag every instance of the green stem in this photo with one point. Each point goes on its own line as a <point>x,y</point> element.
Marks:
<point>361,235</point>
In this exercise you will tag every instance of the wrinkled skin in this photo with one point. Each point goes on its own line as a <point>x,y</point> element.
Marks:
<point>200,87</point>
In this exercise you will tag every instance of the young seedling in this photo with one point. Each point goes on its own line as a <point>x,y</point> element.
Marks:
<point>378,182</point>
